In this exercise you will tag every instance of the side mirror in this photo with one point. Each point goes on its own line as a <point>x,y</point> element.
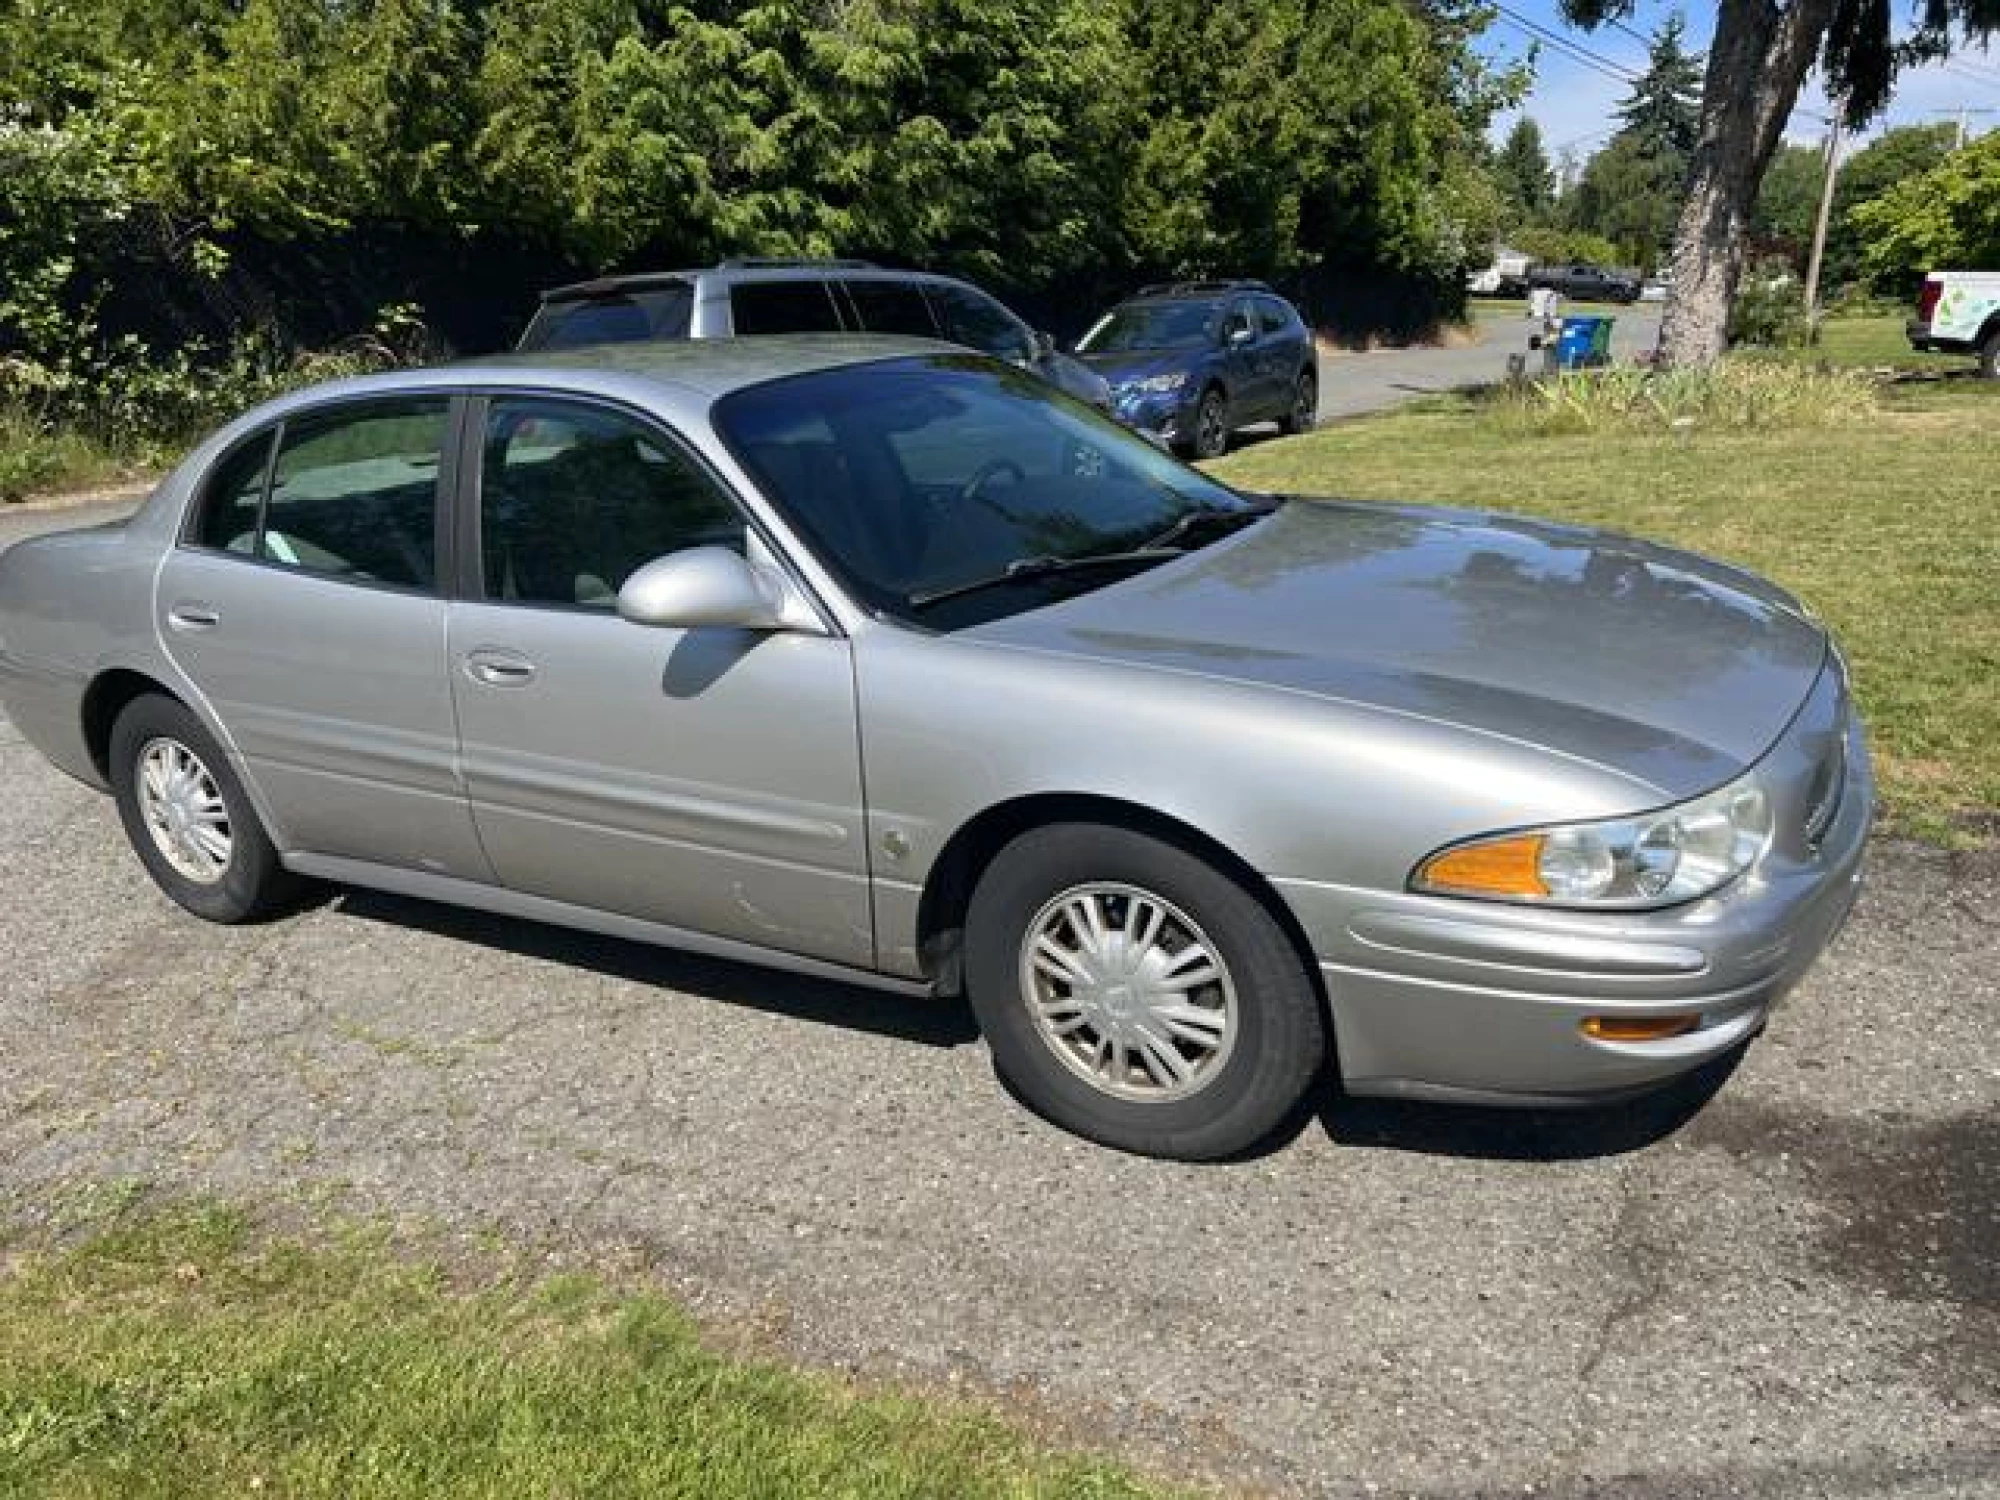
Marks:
<point>1240,335</point>
<point>1045,344</point>
<point>707,586</point>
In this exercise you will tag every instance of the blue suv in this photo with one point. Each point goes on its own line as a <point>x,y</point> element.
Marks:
<point>1192,361</point>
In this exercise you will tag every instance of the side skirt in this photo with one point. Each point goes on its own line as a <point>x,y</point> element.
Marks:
<point>511,903</point>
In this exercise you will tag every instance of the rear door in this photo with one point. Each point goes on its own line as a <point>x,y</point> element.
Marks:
<point>303,602</point>
<point>709,779</point>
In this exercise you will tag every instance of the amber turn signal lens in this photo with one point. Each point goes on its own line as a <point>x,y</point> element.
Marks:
<point>1638,1028</point>
<point>1505,867</point>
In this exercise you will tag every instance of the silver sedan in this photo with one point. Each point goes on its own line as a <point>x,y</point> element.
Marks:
<point>883,662</point>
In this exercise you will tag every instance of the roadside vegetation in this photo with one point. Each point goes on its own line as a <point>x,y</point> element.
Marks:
<point>1878,516</point>
<point>177,1353</point>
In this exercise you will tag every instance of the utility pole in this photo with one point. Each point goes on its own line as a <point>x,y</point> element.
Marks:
<point>1819,226</point>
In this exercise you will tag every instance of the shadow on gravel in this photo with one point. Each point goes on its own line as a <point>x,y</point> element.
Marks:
<point>933,1022</point>
<point>1488,1134</point>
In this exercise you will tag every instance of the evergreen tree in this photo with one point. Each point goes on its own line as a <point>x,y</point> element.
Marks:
<point>1523,173</point>
<point>1663,114</point>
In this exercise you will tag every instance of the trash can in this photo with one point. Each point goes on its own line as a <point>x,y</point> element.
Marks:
<point>1584,343</point>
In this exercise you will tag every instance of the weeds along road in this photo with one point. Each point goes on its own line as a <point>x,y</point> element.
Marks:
<point>1788,1289</point>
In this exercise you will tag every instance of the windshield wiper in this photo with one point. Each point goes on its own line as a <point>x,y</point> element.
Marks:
<point>1212,518</point>
<point>1026,569</point>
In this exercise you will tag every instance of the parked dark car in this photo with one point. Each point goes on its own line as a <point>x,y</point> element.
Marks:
<point>753,296</point>
<point>1193,361</point>
<point>1583,282</point>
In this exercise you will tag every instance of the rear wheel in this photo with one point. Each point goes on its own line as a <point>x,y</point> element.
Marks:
<point>1989,356</point>
<point>1136,995</point>
<point>187,815</point>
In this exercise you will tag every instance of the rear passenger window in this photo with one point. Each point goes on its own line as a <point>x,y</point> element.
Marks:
<point>892,307</point>
<point>782,307</point>
<point>354,494</point>
<point>232,497</point>
<point>1271,316</point>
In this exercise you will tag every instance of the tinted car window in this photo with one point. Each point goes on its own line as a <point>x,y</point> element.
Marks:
<point>783,307</point>
<point>232,497</point>
<point>892,307</point>
<point>1237,317</point>
<point>574,499</point>
<point>978,322</point>
<point>354,494</point>
<point>1272,316</point>
<point>1154,325</point>
<point>915,475</point>
<point>623,318</point>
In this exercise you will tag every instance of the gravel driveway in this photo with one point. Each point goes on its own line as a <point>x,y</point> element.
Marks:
<point>1789,1292</point>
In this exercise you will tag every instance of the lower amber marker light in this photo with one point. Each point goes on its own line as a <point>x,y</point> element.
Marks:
<point>1638,1028</point>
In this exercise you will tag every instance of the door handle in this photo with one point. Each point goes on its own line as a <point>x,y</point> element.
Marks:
<point>499,669</point>
<point>191,616</point>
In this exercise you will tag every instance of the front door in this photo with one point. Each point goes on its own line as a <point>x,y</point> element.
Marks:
<point>710,778</point>
<point>303,602</point>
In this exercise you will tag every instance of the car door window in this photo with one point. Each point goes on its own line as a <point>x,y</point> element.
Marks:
<point>574,499</point>
<point>891,307</point>
<point>353,494</point>
<point>975,320</point>
<point>232,497</point>
<point>782,307</point>
<point>1237,319</point>
<point>1271,316</point>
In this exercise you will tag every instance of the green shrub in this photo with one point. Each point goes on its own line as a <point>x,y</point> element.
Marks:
<point>1770,313</point>
<point>1734,394</point>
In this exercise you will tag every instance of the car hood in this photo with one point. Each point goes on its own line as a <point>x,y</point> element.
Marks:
<point>1123,368</point>
<point>1673,670</point>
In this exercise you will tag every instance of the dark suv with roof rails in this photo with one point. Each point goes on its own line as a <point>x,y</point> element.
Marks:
<point>1190,362</point>
<point>751,295</point>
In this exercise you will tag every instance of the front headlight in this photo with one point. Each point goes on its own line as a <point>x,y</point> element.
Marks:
<point>1159,385</point>
<point>1659,859</point>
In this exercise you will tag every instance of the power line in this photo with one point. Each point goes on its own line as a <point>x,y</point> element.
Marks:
<point>1574,51</point>
<point>1967,75</point>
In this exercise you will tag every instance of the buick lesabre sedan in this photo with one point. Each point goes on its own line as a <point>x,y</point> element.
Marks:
<point>884,662</point>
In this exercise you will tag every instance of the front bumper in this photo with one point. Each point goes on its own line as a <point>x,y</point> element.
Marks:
<point>1166,415</point>
<point>1484,1002</point>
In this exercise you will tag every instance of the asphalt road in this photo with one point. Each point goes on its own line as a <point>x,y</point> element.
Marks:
<point>1351,384</point>
<point>1789,1288</point>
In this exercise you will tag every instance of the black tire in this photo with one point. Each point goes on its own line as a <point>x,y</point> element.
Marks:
<point>1989,357</point>
<point>1278,1041</point>
<point>1210,438</point>
<point>1303,413</point>
<point>252,882</point>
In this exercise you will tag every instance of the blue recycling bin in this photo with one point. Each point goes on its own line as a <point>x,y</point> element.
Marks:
<point>1584,343</point>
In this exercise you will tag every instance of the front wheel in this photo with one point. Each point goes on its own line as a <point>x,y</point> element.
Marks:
<point>1989,356</point>
<point>1133,993</point>
<point>1211,425</point>
<point>1304,410</point>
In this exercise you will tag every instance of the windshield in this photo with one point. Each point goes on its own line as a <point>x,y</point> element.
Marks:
<point>912,478</point>
<point>1153,325</point>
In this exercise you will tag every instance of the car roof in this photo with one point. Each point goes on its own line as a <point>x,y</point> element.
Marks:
<point>737,270</point>
<point>703,369</point>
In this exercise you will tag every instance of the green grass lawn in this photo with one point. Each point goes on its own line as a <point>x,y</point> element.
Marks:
<point>1871,343</point>
<point>183,1356</point>
<point>1887,525</point>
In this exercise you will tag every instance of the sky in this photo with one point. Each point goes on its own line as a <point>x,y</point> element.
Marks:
<point>1573,102</point>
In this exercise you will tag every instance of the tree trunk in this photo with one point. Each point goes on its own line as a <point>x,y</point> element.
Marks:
<point>1757,62</point>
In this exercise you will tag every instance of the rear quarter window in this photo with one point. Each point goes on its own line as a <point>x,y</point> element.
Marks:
<point>782,307</point>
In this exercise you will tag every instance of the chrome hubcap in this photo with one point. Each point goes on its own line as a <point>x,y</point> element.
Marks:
<point>1128,992</point>
<point>183,811</point>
